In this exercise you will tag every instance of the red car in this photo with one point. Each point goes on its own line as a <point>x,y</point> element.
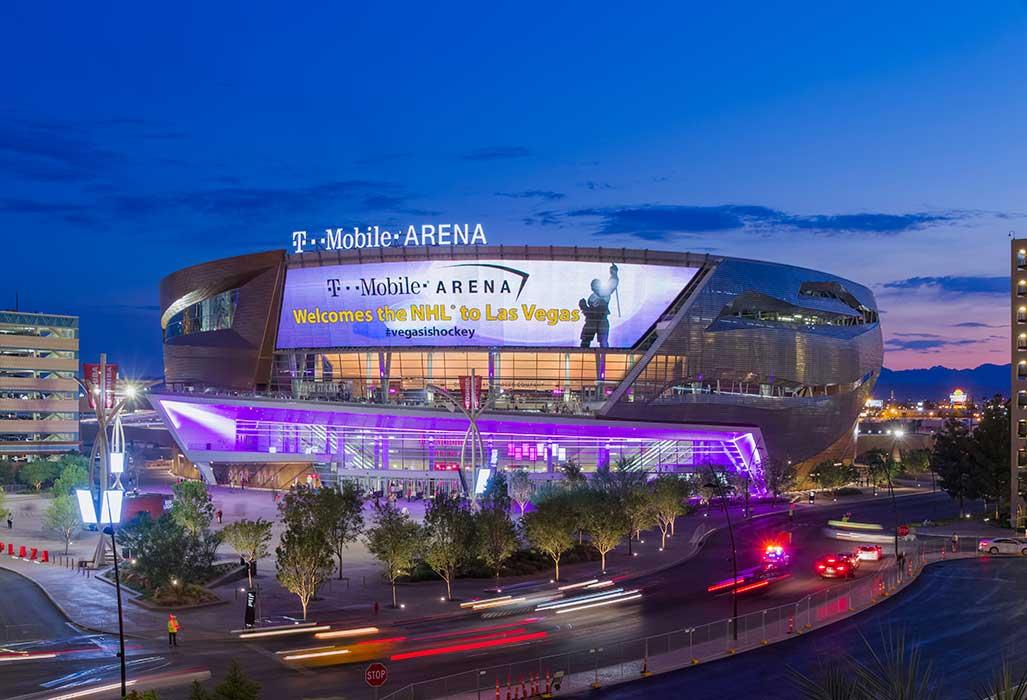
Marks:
<point>842,565</point>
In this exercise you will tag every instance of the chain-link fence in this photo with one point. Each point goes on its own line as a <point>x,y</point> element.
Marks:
<point>608,663</point>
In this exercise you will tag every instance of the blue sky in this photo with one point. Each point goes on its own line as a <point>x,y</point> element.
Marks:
<point>881,143</point>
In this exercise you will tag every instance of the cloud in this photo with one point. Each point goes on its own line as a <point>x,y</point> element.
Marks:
<point>43,151</point>
<point>657,222</point>
<point>397,205</point>
<point>497,153</point>
<point>69,212</point>
<point>235,201</point>
<point>543,218</point>
<point>926,343</point>
<point>548,195</point>
<point>954,284</point>
<point>595,186</point>
<point>977,324</point>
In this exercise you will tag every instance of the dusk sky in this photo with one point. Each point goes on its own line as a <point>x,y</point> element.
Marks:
<point>881,142</point>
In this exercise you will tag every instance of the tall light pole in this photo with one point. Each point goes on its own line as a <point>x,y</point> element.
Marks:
<point>734,554</point>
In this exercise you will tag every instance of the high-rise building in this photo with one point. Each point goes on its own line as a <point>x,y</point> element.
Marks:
<point>38,393</point>
<point>1018,381</point>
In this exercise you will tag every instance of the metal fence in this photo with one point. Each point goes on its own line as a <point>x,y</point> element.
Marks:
<point>615,662</point>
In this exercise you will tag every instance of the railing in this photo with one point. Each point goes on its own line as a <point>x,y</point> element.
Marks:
<point>620,661</point>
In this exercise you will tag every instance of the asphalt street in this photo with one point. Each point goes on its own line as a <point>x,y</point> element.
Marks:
<point>965,617</point>
<point>672,599</point>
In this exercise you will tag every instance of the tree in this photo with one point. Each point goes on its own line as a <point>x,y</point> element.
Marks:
<point>917,461</point>
<point>341,513</point>
<point>448,537</point>
<point>73,474</point>
<point>38,472</point>
<point>832,475</point>
<point>951,461</point>
<point>235,686</point>
<point>779,475</point>
<point>639,509</point>
<point>549,528</point>
<point>496,535</point>
<point>192,508</point>
<point>605,521</point>
<point>520,488</point>
<point>630,503</point>
<point>145,695</point>
<point>572,473</point>
<point>62,517</point>
<point>989,451</point>
<point>3,503</point>
<point>304,555</point>
<point>303,562</point>
<point>393,541</point>
<point>250,538</point>
<point>163,550</point>
<point>669,493</point>
<point>496,494</point>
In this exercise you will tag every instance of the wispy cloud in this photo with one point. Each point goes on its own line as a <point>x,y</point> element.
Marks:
<point>548,195</point>
<point>657,222</point>
<point>497,153</point>
<point>954,284</point>
<point>596,186</point>
<point>926,343</point>
<point>976,324</point>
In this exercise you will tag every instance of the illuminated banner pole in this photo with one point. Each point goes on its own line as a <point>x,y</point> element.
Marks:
<point>470,404</point>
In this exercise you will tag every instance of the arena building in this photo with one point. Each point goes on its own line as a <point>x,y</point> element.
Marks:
<point>348,363</point>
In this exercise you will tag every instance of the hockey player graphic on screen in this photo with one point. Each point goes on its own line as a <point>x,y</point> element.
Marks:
<point>596,310</point>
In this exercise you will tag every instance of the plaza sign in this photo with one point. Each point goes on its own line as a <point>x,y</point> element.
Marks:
<point>377,237</point>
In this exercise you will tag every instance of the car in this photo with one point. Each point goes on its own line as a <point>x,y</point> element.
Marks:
<point>1003,545</point>
<point>869,552</point>
<point>842,565</point>
<point>776,557</point>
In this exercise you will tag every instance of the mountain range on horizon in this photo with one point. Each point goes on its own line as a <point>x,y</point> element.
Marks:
<point>936,383</point>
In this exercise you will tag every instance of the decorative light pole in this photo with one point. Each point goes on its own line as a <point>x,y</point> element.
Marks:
<point>470,404</point>
<point>107,408</point>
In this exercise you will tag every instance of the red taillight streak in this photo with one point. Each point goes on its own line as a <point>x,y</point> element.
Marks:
<point>383,640</point>
<point>443,635</point>
<point>751,586</point>
<point>468,647</point>
<point>724,584</point>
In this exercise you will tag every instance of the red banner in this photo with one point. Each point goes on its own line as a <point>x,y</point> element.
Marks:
<point>470,392</point>
<point>91,373</point>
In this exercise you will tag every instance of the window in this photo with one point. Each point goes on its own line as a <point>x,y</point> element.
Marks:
<point>1021,258</point>
<point>1021,314</point>
<point>1021,288</point>
<point>1021,428</point>
<point>1021,369</point>
<point>212,314</point>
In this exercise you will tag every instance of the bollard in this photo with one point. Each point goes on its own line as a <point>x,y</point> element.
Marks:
<point>645,661</point>
<point>33,553</point>
<point>497,689</point>
<point>549,686</point>
<point>791,625</point>
<point>46,556</point>
<point>21,552</point>
<point>10,549</point>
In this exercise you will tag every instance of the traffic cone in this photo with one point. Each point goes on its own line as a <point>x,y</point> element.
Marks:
<point>549,686</point>
<point>523,692</point>
<point>791,625</point>
<point>509,693</point>
<point>497,689</point>
<point>534,685</point>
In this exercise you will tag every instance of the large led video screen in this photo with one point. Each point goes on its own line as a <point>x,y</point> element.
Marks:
<point>530,303</point>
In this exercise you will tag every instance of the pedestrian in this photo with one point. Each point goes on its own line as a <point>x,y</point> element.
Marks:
<point>10,519</point>
<point>812,497</point>
<point>376,608</point>
<point>219,514</point>
<point>955,542</point>
<point>173,628</point>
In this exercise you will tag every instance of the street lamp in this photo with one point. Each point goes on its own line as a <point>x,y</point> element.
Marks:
<point>734,554</point>
<point>109,515</point>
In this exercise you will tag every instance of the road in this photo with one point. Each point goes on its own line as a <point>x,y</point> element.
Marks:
<point>673,599</point>
<point>964,616</point>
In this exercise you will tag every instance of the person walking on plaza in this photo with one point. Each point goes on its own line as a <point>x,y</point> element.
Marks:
<point>10,519</point>
<point>173,628</point>
<point>955,542</point>
<point>219,514</point>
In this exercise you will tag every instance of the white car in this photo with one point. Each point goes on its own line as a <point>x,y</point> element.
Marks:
<point>869,552</point>
<point>1003,545</point>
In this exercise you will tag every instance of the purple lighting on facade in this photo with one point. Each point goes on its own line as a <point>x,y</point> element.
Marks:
<point>262,426</point>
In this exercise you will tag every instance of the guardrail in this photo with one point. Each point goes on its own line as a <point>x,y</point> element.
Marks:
<point>620,661</point>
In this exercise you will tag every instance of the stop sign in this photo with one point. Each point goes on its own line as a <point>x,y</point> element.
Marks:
<point>903,530</point>
<point>376,674</point>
